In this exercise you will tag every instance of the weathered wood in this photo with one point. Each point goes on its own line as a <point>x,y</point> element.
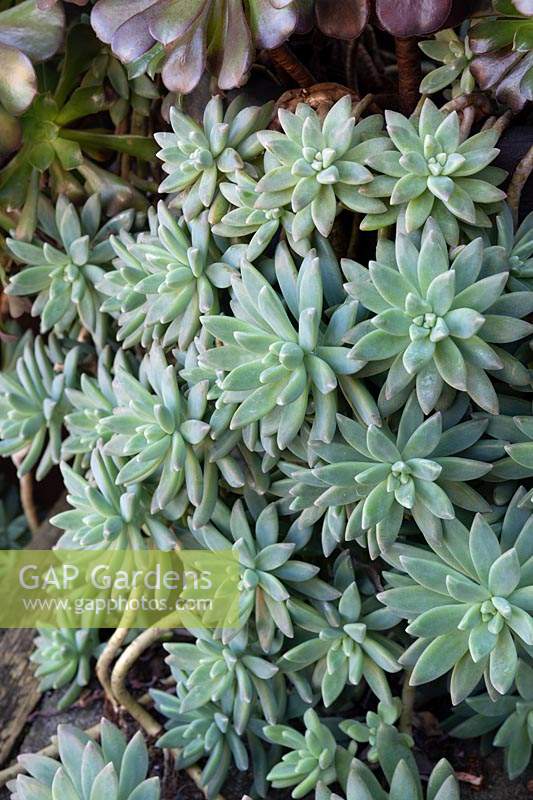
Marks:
<point>19,689</point>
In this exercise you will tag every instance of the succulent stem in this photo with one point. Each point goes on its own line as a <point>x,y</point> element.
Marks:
<point>118,679</point>
<point>519,180</point>
<point>103,665</point>
<point>284,58</point>
<point>26,495</point>
<point>409,73</point>
<point>408,702</point>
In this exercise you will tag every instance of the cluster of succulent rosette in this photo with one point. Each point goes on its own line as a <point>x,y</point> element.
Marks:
<point>209,371</point>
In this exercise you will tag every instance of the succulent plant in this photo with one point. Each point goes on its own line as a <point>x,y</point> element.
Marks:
<point>233,673</point>
<point>244,219</point>
<point>401,774</point>
<point>136,93</point>
<point>433,172</point>
<point>512,252</point>
<point>63,656</point>
<point>94,400</point>
<point>33,405</point>
<point>198,157</point>
<point>468,607</point>
<point>437,324</point>
<point>154,429</point>
<point>313,757</point>
<point>204,732</point>
<point>26,38</point>
<point>347,644</point>
<point>269,574</point>
<point>505,430</point>
<point>367,732</point>
<point>274,368</point>
<point>401,19</point>
<point>164,281</point>
<point>64,276</point>
<point>51,142</point>
<point>521,452</point>
<point>104,514</point>
<point>183,39</point>
<point>509,443</point>
<point>455,55</point>
<point>511,715</point>
<point>502,48</point>
<point>115,769</point>
<point>312,165</point>
<point>368,480</point>
<point>211,376</point>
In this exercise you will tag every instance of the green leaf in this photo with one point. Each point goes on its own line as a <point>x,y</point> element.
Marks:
<point>418,210</point>
<point>450,364</point>
<point>376,505</point>
<point>404,783</point>
<point>482,294</point>
<point>503,662</point>
<point>441,292</point>
<point>437,621</point>
<point>141,147</point>
<point>504,574</point>
<point>484,547</point>
<point>134,766</point>
<point>378,345</point>
<point>380,446</point>
<point>434,498</point>
<point>438,657</point>
<point>105,785</point>
<point>424,440</point>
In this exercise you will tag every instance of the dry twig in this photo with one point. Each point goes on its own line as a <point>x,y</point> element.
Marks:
<point>284,59</point>
<point>108,655</point>
<point>118,679</point>
<point>408,702</point>
<point>26,494</point>
<point>518,181</point>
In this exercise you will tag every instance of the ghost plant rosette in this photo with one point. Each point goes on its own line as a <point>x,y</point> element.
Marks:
<point>368,480</point>
<point>278,360</point>
<point>154,430</point>
<point>269,574</point>
<point>197,157</point>
<point>164,280</point>
<point>312,166</point>
<point>432,171</point>
<point>469,609</point>
<point>64,275</point>
<point>435,324</point>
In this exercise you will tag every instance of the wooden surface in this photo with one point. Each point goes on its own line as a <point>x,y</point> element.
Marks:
<point>19,690</point>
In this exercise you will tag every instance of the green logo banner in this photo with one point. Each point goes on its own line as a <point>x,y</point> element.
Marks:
<point>112,588</point>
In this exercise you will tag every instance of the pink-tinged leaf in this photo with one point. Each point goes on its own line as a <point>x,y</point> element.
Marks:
<point>237,57</point>
<point>271,26</point>
<point>108,16</point>
<point>173,20</point>
<point>524,6</point>
<point>404,18</point>
<point>18,83</point>
<point>185,64</point>
<point>25,27</point>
